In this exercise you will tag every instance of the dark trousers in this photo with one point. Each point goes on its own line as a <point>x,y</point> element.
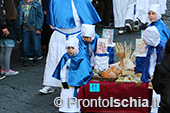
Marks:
<point>105,7</point>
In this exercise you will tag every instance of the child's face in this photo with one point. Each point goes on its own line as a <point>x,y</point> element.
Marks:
<point>152,16</point>
<point>71,50</point>
<point>87,39</point>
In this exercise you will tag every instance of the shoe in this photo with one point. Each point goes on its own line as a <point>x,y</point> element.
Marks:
<point>136,25</point>
<point>143,26</point>
<point>39,58</point>
<point>11,72</point>
<point>46,90</point>
<point>2,76</point>
<point>2,72</point>
<point>129,25</point>
<point>25,63</point>
<point>121,31</point>
<point>30,58</point>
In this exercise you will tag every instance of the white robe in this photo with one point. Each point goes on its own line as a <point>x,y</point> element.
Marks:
<point>130,9</point>
<point>67,93</point>
<point>156,98</point>
<point>119,9</point>
<point>142,7</point>
<point>57,48</point>
<point>153,58</point>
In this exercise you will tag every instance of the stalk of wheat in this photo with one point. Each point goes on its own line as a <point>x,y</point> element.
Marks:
<point>127,49</point>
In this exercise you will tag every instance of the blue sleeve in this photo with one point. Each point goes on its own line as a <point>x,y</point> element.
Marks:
<point>40,18</point>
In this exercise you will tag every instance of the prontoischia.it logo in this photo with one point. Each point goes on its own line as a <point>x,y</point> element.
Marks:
<point>111,102</point>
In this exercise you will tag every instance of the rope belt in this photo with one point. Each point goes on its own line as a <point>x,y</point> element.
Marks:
<point>67,34</point>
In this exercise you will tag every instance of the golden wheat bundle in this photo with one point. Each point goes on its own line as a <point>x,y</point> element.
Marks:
<point>127,49</point>
<point>133,58</point>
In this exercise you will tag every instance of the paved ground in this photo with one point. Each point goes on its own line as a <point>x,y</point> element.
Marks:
<point>19,94</point>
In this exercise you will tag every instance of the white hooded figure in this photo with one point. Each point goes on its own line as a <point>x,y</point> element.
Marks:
<point>89,31</point>
<point>67,93</point>
<point>56,50</point>
<point>151,37</point>
<point>88,42</point>
<point>74,70</point>
<point>88,45</point>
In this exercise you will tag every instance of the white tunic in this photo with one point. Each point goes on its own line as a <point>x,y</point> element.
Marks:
<point>67,93</point>
<point>57,48</point>
<point>153,58</point>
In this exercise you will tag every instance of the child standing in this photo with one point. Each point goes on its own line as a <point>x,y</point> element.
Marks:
<point>31,20</point>
<point>88,41</point>
<point>151,37</point>
<point>74,70</point>
<point>7,42</point>
<point>154,15</point>
<point>155,53</point>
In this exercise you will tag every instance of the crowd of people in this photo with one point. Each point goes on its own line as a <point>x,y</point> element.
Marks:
<point>66,31</point>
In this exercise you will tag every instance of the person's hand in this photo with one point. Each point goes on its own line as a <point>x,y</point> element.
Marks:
<point>45,12</point>
<point>5,32</point>
<point>150,84</point>
<point>97,2</point>
<point>65,85</point>
<point>19,41</point>
<point>38,32</point>
<point>4,12</point>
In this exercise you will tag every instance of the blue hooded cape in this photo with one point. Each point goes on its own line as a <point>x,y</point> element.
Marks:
<point>84,46</point>
<point>60,13</point>
<point>79,71</point>
<point>145,73</point>
<point>162,28</point>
